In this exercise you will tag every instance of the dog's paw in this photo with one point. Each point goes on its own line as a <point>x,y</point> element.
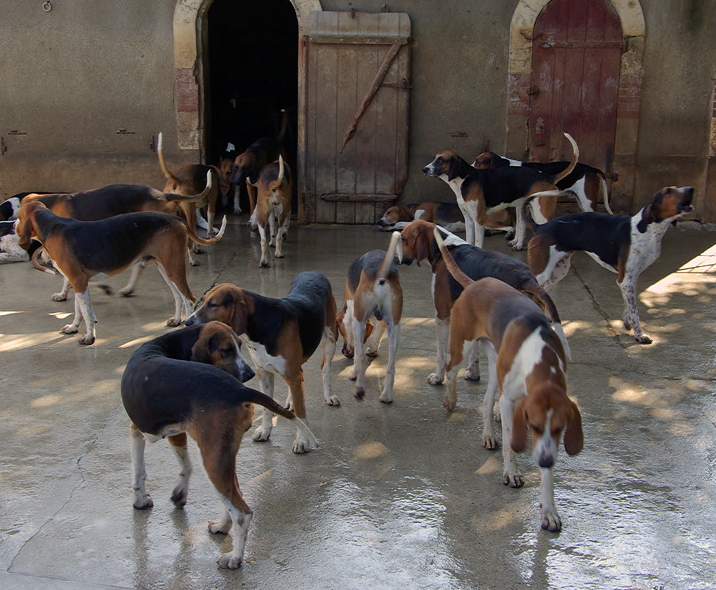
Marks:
<point>359,394</point>
<point>449,402</point>
<point>229,561</point>
<point>333,401</point>
<point>58,297</point>
<point>220,526</point>
<point>551,520</point>
<point>643,339</point>
<point>261,434</point>
<point>435,379</point>
<point>386,397</point>
<point>87,339</point>
<point>264,264</point>
<point>514,480</point>
<point>173,322</point>
<point>142,501</point>
<point>179,496</point>
<point>472,374</point>
<point>353,375</point>
<point>371,351</point>
<point>126,291</point>
<point>280,255</point>
<point>69,329</point>
<point>301,445</point>
<point>489,442</point>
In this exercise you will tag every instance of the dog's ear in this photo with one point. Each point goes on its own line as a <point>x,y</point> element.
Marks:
<point>239,313</point>
<point>454,170</point>
<point>200,351</point>
<point>647,217</point>
<point>519,427</point>
<point>423,239</point>
<point>573,435</point>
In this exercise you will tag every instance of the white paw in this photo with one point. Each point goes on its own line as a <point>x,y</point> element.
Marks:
<point>514,480</point>
<point>435,379</point>
<point>333,401</point>
<point>142,501</point>
<point>262,434</point>
<point>220,526</point>
<point>229,561</point>
<point>489,442</point>
<point>69,329</point>
<point>301,445</point>
<point>551,520</point>
<point>58,297</point>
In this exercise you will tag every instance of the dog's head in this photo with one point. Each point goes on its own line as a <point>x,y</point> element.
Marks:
<point>667,205</point>
<point>226,168</point>
<point>395,214</point>
<point>547,412</point>
<point>225,303</point>
<point>487,161</point>
<point>416,242</point>
<point>218,345</point>
<point>244,167</point>
<point>446,163</point>
<point>25,224</point>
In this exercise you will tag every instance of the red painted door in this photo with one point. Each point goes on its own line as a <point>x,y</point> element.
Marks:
<point>576,54</point>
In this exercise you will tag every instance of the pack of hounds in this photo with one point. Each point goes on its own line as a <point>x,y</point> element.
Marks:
<point>480,297</point>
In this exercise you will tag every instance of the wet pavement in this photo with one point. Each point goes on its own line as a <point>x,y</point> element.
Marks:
<point>396,496</point>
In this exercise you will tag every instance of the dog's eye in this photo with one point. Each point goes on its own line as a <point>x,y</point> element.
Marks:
<point>536,429</point>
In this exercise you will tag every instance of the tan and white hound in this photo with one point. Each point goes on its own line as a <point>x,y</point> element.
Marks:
<point>527,362</point>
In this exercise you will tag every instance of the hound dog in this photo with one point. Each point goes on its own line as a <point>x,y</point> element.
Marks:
<point>418,243</point>
<point>447,215</point>
<point>281,335</point>
<point>9,208</point>
<point>372,289</point>
<point>482,192</point>
<point>189,180</point>
<point>273,208</point>
<point>527,362</point>
<point>622,244</point>
<point>190,381</point>
<point>588,184</point>
<point>83,249</point>
<point>248,164</point>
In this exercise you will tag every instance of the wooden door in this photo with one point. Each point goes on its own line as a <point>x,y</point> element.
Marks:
<point>576,53</point>
<point>356,137</point>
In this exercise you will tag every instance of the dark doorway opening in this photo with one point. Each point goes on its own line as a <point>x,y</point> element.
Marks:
<point>253,75</point>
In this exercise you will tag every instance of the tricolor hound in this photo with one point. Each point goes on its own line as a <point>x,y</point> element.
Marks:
<point>418,243</point>
<point>372,289</point>
<point>281,335</point>
<point>586,183</point>
<point>620,243</point>
<point>273,207</point>
<point>527,362</point>
<point>482,192</point>
<point>83,249</point>
<point>190,381</point>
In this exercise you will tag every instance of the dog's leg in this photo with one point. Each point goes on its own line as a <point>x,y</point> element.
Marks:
<point>442,329</point>
<point>181,302</point>
<point>128,289</point>
<point>87,315</point>
<point>489,440</point>
<point>359,363</point>
<point>393,338</point>
<point>264,247</point>
<point>518,242</point>
<point>557,268</point>
<point>329,349</point>
<point>272,228</point>
<point>372,345</point>
<point>631,311</point>
<point>550,519</point>
<point>181,488</point>
<point>62,295</point>
<point>303,442</point>
<point>510,474</point>
<point>139,474</point>
<point>469,225</point>
<point>282,232</point>
<point>472,369</point>
<point>263,430</point>
<point>74,327</point>
<point>450,370</point>
<point>237,195</point>
<point>219,457</point>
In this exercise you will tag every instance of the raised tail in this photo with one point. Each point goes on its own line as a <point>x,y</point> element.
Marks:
<point>389,258</point>
<point>542,298</point>
<point>207,241</point>
<point>575,158</point>
<point>452,266</point>
<point>160,155</point>
<point>604,192</point>
<point>284,126</point>
<point>198,197</point>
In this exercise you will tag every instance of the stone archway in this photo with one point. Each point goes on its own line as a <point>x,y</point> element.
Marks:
<point>189,33</point>
<point>630,85</point>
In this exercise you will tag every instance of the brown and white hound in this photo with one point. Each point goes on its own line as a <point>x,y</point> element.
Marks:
<point>81,250</point>
<point>418,243</point>
<point>281,335</point>
<point>482,192</point>
<point>528,364</point>
<point>447,215</point>
<point>190,180</point>
<point>623,244</point>
<point>190,382</point>
<point>273,207</point>
<point>249,163</point>
<point>372,290</point>
<point>586,183</point>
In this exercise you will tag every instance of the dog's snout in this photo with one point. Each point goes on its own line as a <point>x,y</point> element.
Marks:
<point>247,373</point>
<point>426,170</point>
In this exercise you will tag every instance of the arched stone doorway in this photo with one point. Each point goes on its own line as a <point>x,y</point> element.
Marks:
<point>522,32</point>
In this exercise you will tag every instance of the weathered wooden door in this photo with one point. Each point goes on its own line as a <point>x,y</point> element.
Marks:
<point>576,53</point>
<point>356,100</point>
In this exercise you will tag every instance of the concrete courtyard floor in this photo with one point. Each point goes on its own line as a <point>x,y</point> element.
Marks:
<point>399,496</point>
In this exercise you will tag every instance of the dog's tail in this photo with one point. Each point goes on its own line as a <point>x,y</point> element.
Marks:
<point>197,197</point>
<point>527,213</point>
<point>575,157</point>
<point>256,397</point>
<point>452,266</point>
<point>160,154</point>
<point>604,192</point>
<point>389,259</point>
<point>207,241</point>
<point>284,126</point>
<point>41,267</point>
<point>542,298</point>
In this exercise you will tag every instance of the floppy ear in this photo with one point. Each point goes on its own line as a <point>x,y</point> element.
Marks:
<point>200,351</point>
<point>422,244</point>
<point>454,168</point>
<point>239,311</point>
<point>573,435</point>
<point>519,427</point>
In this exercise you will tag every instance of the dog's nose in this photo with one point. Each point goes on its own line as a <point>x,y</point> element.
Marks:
<point>247,373</point>
<point>426,170</point>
